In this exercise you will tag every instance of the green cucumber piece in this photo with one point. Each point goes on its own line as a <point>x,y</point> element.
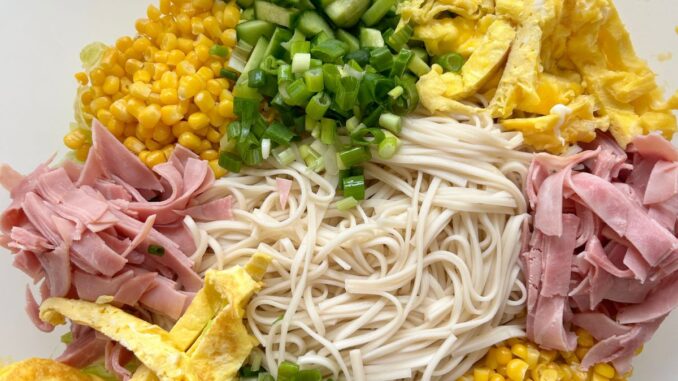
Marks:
<point>275,47</point>
<point>350,40</point>
<point>274,13</point>
<point>310,24</point>
<point>346,13</point>
<point>247,14</point>
<point>371,38</point>
<point>258,54</point>
<point>250,31</point>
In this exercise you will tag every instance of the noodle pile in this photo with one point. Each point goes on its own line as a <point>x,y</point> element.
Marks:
<point>414,283</point>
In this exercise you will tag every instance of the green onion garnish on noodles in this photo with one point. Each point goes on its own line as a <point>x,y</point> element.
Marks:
<point>354,186</point>
<point>219,50</point>
<point>287,371</point>
<point>156,250</point>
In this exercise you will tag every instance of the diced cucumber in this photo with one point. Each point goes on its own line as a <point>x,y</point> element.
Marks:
<point>256,57</point>
<point>346,13</point>
<point>371,38</point>
<point>244,3</point>
<point>302,4</point>
<point>310,23</point>
<point>250,31</point>
<point>276,14</point>
<point>247,14</point>
<point>350,40</point>
<point>275,47</point>
<point>377,11</point>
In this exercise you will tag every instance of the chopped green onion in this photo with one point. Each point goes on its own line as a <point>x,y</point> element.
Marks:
<point>373,118</point>
<point>315,63</point>
<point>230,162</point>
<point>284,155</point>
<point>400,37</point>
<point>360,56</point>
<point>367,136</point>
<point>328,131</point>
<point>265,377</point>
<point>418,66</point>
<point>388,147</point>
<point>347,203</point>
<point>251,155</point>
<point>310,123</point>
<point>377,11</point>
<point>228,74</point>
<point>246,371</point>
<point>354,156</point>
<point>279,134</point>
<point>219,51</point>
<point>450,62</point>
<point>381,59</point>
<point>287,371</point>
<point>396,92</point>
<point>331,77</point>
<point>329,50</point>
<point>308,375</point>
<point>371,38</point>
<point>391,122</point>
<point>156,250</point>
<point>265,148</point>
<point>354,186</point>
<point>297,47</point>
<point>285,73</point>
<point>400,63</point>
<point>318,105</point>
<point>270,65</point>
<point>67,338</point>
<point>256,78</point>
<point>352,123</point>
<point>296,93</point>
<point>314,80</point>
<point>348,93</point>
<point>301,62</point>
<point>234,130</point>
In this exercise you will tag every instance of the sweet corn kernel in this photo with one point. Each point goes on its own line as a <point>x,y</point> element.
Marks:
<point>532,356</point>
<point>162,133</point>
<point>584,338</point>
<point>205,73</point>
<point>217,169</point>
<point>204,101</point>
<point>104,116</point>
<point>192,58</point>
<point>202,4</point>
<point>212,27</point>
<point>548,375</point>
<point>152,144</point>
<point>123,43</point>
<point>198,121</point>
<point>169,96</point>
<point>605,370</point>
<point>519,350</point>
<point>213,87</point>
<point>165,6</point>
<point>159,69</point>
<point>153,13</point>
<point>132,66</point>
<point>228,37</point>
<point>97,76</point>
<point>503,355</point>
<point>185,68</point>
<point>230,17</point>
<point>150,116</point>
<point>189,140</point>
<point>155,157</point>
<point>481,374</point>
<point>189,86</point>
<point>168,150</point>
<point>491,359</point>
<point>175,56</point>
<point>171,114</point>
<point>111,85</point>
<point>213,135</point>
<point>185,45</point>
<point>516,369</point>
<point>497,377</point>
<point>140,90</point>
<point>134,107</point>
<point>133,144</point>
<point>74,140</point>
<point>100,103</point>
<point>581,352</point>
<point>597,377</point>
<point>117,70</point>
<point>225,109</point>
<point>202,52</point>
<point>142,75</point>
<point>160,56</point>
<point>196,26</point>
<point>143,155</point>
<point>209,154</point>
<point>141,44</point>
<point>82,78</point>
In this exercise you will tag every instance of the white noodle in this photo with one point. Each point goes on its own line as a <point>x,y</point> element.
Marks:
<point>415,283</point>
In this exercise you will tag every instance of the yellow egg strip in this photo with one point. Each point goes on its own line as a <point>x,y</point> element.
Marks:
<point>189,350</point>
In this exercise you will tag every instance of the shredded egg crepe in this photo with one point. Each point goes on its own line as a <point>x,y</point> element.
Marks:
<point>557,71</point>
<point>210,342</point>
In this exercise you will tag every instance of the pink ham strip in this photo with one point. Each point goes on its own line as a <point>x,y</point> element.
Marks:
<point>115,356</point>
<point>9,178</point>
<point>33,311</point>
<point>622,290</point>
<point>220,209</point>
<point>163,297</point>
<point>284,186</point>
<point>85,348</point>
<point>141,236</point>
<point>57,266</point>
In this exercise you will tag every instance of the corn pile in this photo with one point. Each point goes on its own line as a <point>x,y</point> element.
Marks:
<point>163,87</point>
<point>519,360</point>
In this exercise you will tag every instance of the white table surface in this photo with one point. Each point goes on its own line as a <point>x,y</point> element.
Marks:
<point>41,41</point>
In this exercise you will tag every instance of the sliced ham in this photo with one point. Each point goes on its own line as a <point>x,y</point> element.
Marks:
<point>603,252</point>
<point>85,348</point>
<point>284,186</point>
<point>116,356</point>
<point>85,230</point>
